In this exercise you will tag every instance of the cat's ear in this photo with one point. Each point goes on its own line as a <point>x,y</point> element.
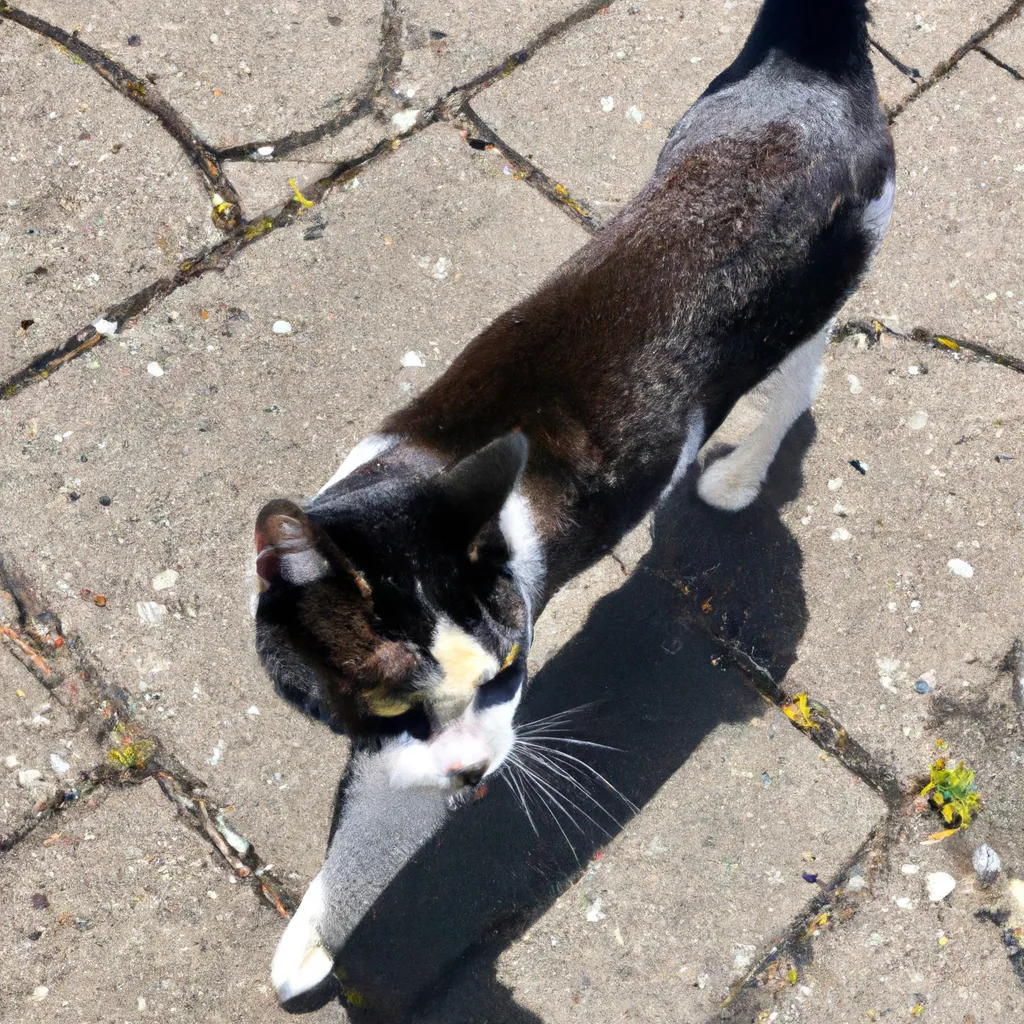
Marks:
<point>286,545</point>
<point>475,488</point>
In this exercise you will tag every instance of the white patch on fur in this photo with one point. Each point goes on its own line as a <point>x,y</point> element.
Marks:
<point>303,567</point>
<point>527,561</point>
<point>301,960</point>
<point>878,213</point>
<point>367,449</point>
<point>733,482</point>
<point>691,445</point>
<point>465,664</point>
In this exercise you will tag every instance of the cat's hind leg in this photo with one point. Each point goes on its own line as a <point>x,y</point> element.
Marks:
<point>733,482</point>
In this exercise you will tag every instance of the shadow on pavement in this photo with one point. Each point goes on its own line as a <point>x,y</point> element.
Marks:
<point>654,695</point>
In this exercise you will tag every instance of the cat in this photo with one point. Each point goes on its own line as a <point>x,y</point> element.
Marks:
<point>398,604</point>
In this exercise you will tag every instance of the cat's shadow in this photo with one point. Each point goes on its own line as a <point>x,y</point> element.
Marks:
<point>427,949</point>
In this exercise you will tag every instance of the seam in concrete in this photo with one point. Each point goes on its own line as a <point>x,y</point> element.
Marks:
<point>1012,71</point>
<point>35,636</point>
<point>227,208</point>
<point>480,135</point>
<point>876,331</point>
<point>944,67</point>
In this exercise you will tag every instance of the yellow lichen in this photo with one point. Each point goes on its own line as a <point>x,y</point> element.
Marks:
<point>953,792</point>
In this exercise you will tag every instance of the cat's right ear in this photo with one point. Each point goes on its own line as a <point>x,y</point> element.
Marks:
<point>287,546</point>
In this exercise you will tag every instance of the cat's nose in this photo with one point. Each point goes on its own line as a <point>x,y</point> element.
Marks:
<point>470,775</point>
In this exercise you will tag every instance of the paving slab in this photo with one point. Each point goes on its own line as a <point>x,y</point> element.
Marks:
<point>42,753</point>
<point>416,256</point>
<point>95,202</point>
<point>950,262</point>
<point>237,73</point>
<point>126,916</point>
<point>593,108</point>
<point>925,34</point>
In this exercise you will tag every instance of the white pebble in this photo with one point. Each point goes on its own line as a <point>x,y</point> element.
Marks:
<point>910,869</point>
<point>635,114</point>
<point>914,371</point>
<point>607,104</point>
<point>39,993</point>
<point>939,885</point>
<point>918,421</point>
<point>404,119</point>
<point>281,327</point>
<point>165,580</point>
<point>108,328</point>
<point>835,483</point>
<point>252,710</point>
<point>442,268</point>
<point>958,567</point>
<point>59,765</point>
<point>29,777</point>
<point>413,359</point>
<point>11,761</point>
<point>986,864</point>
<point>839,509</point>
<point>855,385</point>
<point>906,903</point>
<point>842,534</point>
<point>214,759</point>
<point>595,913</point>
<point>265,152</point>
<point>151,612</point>
<point>141,1004</point>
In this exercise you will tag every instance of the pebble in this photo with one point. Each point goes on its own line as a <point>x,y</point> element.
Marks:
<point>939,885</point>
<point>151,612</point>
<point>635,114</point>
<point>39,993</point>
<point>59,765</point>
<point>595,913</point>
<point>165,580</point>
<point>918,421</point>
<point>281,327</point>
<point>404,119</point>
<point>29,777</point>
<point>607,104</point>
<point>264,152</point>
<point>252,710</point>
<point>108,328</point>
<point>926,682</point>
<point>11,761</point>
<point>105,500</point>
<point>154,369</point>
<point>958,567</point>
<point>842,534</point>
<point>215,755</point>
<point>839,510</point>
<point>141,1004</point>
<point>906,903</point>
<point>413,360</point>
<point>987,864</point>
<point>855,385</point>
<point>835,483</point>
<point>910,869</point>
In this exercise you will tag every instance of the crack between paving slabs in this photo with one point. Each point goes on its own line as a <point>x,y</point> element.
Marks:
<point>227,209</point>
<point>448,108</point>
<point>988,55</point>
<point>875,331</point>
<point>944,67</point>
<point>35,636</point>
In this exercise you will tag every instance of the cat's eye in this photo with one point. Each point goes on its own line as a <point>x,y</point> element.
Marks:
<point>504,686</point>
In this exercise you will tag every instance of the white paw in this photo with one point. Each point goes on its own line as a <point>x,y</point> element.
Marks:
<point>301,960</point>
<point>728,485</point>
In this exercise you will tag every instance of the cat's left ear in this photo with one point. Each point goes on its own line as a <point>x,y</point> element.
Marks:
<point>286,545</point>
<point>474,489</point>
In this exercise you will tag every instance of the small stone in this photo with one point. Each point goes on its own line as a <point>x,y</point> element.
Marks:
<point>857,882</point>
<point>987,864</point>
<point>140,1003</point>
<point>154,369</point>
<point>413,360</point>
<point>914,371</point>
<point>910,869</point>
<point>39,901</point>
<point>635,114</point>
<point>252,710</point>
<point>150,612</point>
<point>607,104</point>
<point>855,385</point>
<point>165,580</point>
<point>842,534</point>
<point>835,483</point>
<point>281,327</point>
<point>839,510</point>
<point>918,421</point>
<point>29,777</point>
<point>939,885</point>
<point>595,913</point>
<point>263,153</point>
<point>442,268</point>
<point>404,119</point>
<point>39,993</point>
<point>59,765</point>
<point>958,567</point>
<point>108,328</point>
<point>906,903</point>
<point>11,761</point>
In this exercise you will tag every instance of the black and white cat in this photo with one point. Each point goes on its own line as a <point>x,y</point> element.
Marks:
<point>398,604</point>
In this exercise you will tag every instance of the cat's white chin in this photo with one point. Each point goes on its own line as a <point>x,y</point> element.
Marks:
<point>301,961</point>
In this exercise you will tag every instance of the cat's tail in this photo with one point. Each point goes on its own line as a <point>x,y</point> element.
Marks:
<point>830,36</point>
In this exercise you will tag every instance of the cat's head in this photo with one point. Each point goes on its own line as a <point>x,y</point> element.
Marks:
<point>397,612</point>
